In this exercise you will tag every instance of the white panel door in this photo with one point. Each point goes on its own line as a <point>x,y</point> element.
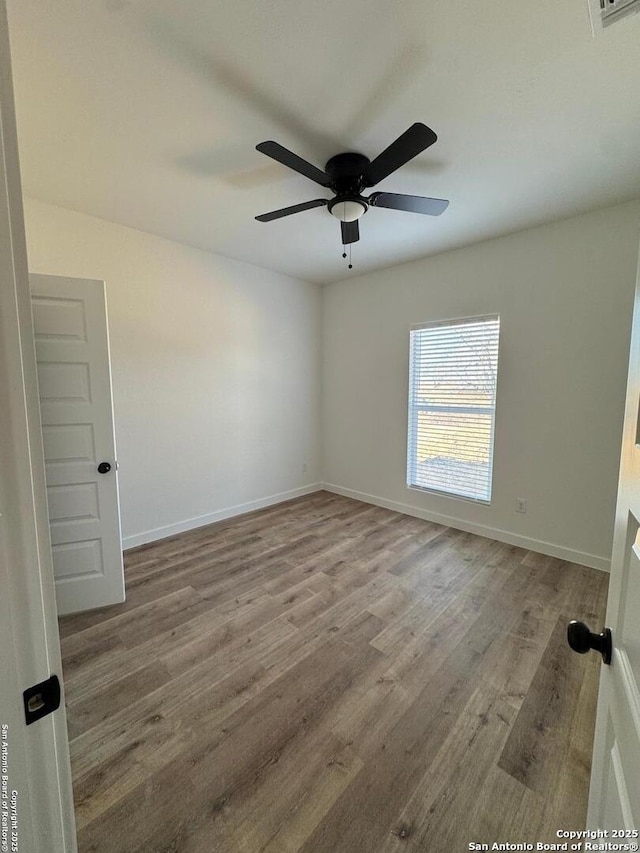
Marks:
<point>34,760</point>
<point>74,380</point>
<point>614,800</point>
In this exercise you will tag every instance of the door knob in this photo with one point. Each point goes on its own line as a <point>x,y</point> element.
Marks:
<point>581,640</point>
<point>104,468</point>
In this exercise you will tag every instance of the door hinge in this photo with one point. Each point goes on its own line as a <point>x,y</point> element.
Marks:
<point>41,699</point>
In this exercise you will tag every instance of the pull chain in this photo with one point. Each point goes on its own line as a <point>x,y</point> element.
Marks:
<point>344,254</point>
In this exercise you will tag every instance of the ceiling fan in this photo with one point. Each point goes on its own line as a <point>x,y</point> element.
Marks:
<point>348,174</point>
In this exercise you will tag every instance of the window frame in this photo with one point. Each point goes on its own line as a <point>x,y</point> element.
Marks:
<point>414,409</point>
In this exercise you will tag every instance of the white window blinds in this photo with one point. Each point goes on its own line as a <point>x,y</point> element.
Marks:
<point>453,370</point>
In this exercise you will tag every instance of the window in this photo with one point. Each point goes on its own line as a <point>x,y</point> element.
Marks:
<point>453,370</point>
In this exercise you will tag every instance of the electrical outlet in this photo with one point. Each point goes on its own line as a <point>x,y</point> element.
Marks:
<point>521,505</point>
<point>304,468</point>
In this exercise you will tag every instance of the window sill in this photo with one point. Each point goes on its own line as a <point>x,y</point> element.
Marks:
<point>450,495</point>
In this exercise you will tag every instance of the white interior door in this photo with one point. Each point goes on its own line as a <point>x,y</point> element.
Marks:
<point>74,380</point>
<point>614,801</point>
<point>36,803</point>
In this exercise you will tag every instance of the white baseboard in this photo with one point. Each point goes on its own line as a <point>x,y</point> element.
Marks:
<point>218,515</point>
<point>549,548</point>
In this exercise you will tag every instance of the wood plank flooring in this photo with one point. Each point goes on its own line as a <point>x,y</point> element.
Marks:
<point>326,676</point>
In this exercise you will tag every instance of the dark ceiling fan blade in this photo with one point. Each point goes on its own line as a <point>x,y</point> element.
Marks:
<point>412,203</point>
<point>288,158</point>
<point>295,208</point>
<point>350,232</point>
<point>405,148</point>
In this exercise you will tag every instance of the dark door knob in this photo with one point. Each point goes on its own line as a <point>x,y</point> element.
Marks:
<point>104,468</point>
<point>581,640</point>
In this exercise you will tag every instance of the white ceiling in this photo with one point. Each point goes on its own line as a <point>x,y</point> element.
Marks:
<point>147,112</point>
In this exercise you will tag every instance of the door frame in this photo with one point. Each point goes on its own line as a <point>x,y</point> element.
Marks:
<point>31,643</point>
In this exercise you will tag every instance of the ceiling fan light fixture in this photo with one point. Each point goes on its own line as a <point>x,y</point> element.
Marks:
<point>347,210</point>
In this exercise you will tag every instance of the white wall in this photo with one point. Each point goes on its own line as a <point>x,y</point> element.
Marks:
<point>564,292</point>
<point>215,370</point>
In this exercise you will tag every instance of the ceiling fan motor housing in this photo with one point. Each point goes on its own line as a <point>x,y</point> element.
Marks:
<point>346,173</point>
